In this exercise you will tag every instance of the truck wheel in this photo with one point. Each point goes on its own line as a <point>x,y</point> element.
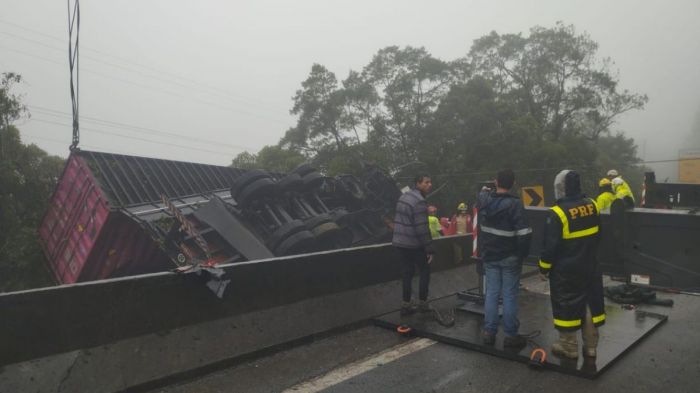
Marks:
<point>283,232</point>
<point>245,179</point>
<point>291,183</point>
<point>313,181</point>
<point>315,221</point>
<point>255,190</point>
<point>330,236</point>
<point>304,169</point>
<point>300,243</point>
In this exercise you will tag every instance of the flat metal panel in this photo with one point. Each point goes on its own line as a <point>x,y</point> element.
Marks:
<point>622,330</point>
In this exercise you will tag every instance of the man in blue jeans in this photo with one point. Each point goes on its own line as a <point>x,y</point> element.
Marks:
<point>504,241</point>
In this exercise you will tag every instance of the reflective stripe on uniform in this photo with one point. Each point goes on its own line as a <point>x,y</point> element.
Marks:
<point>563,323</point>
<point>565,226</point>
<point>599,318</point>
<point>500,232</point>
<point>545,265</point>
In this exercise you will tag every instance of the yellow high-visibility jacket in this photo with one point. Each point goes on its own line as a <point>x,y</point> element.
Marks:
<point>604,200</point>
<point>435,226</point>
<point>621,188</point>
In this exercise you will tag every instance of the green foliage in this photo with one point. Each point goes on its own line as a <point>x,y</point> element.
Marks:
<point>537,103</point>
<point>11,107</point>
<point>271,158</point>
<point>27,178</point>
<point>244,160</point>
<point>555,76</point>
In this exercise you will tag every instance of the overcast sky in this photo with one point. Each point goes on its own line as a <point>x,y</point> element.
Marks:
<point>224,72</point>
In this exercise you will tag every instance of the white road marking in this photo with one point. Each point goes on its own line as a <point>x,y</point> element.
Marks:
<point>344,373</point>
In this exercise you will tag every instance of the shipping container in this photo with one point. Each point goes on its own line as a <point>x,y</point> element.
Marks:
<point>91,230</point>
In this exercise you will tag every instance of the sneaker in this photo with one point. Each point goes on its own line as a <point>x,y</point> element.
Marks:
<point>514,341</point>
<point>488,338</point>
<point>407,308</point>
<point>424,306</point>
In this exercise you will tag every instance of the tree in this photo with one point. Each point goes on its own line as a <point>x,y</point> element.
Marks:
<point>244,160</point>
<point>377,114</point>
<point>555,76</point>
<point>537,103</point>
<point>319,104</point>
<point>11,107</point>
<point>28,176</point>
<point>406,85</point>
<point>277,159</point>
<point>271,158</point>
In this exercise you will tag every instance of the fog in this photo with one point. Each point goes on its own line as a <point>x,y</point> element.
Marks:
<point>221,74</point>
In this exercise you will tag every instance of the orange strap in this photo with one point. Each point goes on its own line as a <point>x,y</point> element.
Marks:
<point>541,352</point>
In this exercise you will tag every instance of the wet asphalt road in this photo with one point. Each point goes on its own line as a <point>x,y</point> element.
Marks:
<point>668,361</point>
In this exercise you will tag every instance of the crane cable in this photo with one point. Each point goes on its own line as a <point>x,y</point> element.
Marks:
<point>74,26</point>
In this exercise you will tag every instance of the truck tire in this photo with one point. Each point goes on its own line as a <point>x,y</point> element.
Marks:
<point>313,181</point>
<point>245,179</point>
<point>255,190</point>
<point>315,221</point>
<point>304,169</point>
<point>330,236</point>
<point>299,243</point>
<point>283,232</point>
<point>291,183</point>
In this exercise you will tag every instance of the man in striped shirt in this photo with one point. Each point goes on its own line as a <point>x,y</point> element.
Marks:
<point>413,241</point>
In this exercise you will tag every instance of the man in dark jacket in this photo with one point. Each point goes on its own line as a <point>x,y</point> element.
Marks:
<point>413,241</point>
<point>569,259</point>
<point>503,242</point>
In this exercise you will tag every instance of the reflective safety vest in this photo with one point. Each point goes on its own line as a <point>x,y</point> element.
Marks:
<point>569,256</point>
<point>605,200</point>
<point>435,226</point>
<point>622,189</point>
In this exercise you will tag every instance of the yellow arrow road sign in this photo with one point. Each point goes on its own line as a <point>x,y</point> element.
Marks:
<point>533,196</point>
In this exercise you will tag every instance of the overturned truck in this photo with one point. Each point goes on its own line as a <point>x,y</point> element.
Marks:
<point>115,215</point>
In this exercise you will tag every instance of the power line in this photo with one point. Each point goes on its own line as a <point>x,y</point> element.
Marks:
<point>213,89</point>
<point>192,86</point>
<point>63,143</point>
<point>229,155</point>
<point>155,89</point>
<point>119,125</point>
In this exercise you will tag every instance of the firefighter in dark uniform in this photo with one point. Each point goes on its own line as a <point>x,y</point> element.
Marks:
<point>569,261</point>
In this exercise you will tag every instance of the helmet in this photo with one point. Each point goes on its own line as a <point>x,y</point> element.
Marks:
<point>462,207</point>
<point>613,172</point>
<point>603,182</point>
